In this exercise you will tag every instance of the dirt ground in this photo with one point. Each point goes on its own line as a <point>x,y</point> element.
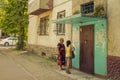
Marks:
<point>23,65</point>
<point>19,65</point>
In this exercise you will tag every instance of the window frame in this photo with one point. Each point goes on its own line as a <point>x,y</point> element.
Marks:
<point>60,27</point>
<point>44,25</point>
<point>87,8</point>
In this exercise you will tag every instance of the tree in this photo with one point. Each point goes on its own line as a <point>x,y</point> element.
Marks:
<point>15,19</point>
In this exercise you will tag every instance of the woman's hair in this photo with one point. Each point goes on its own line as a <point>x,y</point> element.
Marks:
<point>61,39</point>
<point>68,43</point>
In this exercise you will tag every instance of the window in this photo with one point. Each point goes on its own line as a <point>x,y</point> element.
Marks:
<point>44,25</point>
<point>61,27</point>
<point>87,8</point>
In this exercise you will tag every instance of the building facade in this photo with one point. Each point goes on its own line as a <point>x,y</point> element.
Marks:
<point>92,26</point>
<point>113,39</point>
<point>89,35</point>
<point>44,35</point>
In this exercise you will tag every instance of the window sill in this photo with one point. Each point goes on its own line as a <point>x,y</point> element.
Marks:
<point>43,35</point>
<point>60,34</point>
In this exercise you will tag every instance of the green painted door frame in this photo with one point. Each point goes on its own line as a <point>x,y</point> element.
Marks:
<point>100,45</point>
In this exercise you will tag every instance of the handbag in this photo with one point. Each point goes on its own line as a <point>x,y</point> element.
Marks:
<point>73,54</point>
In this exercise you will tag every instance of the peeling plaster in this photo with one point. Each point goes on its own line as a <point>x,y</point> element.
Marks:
<point>76,36</point>
<point>100,40</point>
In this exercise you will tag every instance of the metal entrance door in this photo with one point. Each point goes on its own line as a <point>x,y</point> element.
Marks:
<point>87,49</point>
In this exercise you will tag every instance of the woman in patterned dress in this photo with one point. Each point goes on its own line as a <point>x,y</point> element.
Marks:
<point>61,55</point>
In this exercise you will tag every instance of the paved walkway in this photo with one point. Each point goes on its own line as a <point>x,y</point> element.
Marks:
<point>77,75</point>
<point>10,71</point>
<point>16,65</point>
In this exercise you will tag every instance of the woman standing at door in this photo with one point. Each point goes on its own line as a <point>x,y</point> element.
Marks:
<point>61,55</point>
<point>69,48</point>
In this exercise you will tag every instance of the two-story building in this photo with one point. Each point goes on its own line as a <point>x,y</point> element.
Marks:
<point>90,24</point>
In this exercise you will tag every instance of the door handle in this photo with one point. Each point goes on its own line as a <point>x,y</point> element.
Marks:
<point>85,41</point>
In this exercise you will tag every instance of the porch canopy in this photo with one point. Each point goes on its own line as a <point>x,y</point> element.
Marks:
<point>78,18</point>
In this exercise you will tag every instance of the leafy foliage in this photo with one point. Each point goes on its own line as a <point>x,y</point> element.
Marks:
<point>14,19</point>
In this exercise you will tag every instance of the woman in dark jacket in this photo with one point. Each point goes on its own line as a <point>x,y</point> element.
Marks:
<point>61,55</point>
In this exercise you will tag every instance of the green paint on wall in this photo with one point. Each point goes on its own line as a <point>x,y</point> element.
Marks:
<point>100,52</point>
<point>75,37</point>
<point>75,61</point>
<point>100,45</point>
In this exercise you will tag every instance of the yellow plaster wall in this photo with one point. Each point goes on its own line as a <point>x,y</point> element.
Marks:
<point>113,27</point>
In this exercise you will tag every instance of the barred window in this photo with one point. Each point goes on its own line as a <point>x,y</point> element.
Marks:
<point>44,24</point>
<point>87,8</point>
<point>60,27</point>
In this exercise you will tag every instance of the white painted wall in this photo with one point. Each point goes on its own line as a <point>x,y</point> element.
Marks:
<point>59,2</point>
<point>32,30</point>
<point>61,5</point>
<point>52,39</point>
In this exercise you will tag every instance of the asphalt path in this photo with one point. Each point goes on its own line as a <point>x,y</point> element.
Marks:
<point>9,70</point>
<point>6,47</point>
<point>23,65</point>
<point>15,65</point>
